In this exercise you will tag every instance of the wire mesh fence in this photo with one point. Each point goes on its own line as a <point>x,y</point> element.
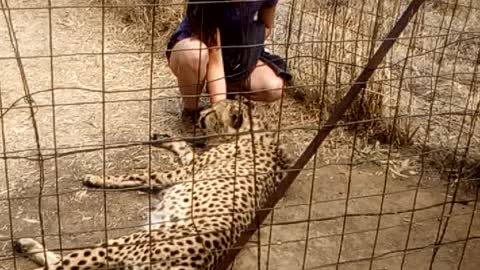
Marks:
<point>85,84</point>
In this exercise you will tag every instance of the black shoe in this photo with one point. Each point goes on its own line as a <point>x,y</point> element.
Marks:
<point>190,118</point>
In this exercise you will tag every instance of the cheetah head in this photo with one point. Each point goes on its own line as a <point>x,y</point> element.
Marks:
<point>227,117</point>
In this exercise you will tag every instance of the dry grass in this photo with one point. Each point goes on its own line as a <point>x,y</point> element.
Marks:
<point>138,17</point>
<point>331,41</point>
<point>326,57</point>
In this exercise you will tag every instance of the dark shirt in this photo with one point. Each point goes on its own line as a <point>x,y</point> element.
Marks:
<point>242,36</point>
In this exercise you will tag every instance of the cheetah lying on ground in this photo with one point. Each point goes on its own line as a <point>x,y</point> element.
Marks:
<point>198,217</point>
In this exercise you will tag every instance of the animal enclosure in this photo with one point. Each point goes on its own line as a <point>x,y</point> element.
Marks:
<point>84,85</point>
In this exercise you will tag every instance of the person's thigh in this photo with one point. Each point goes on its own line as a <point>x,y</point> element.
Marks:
<point>188,62</point>
<point>265,85</point>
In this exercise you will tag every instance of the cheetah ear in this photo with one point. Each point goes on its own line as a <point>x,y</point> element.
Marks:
<point>236,119</point>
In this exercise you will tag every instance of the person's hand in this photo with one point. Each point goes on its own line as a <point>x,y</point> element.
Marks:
<point>216,83</point>
<point>268,32</point>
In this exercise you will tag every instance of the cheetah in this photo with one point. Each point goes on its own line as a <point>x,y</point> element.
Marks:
<point>206,203</point>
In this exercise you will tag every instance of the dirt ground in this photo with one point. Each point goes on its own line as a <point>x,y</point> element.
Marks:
<point>80,215</point>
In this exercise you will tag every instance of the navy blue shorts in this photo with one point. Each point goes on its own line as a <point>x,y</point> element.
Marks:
<point>275,62</point>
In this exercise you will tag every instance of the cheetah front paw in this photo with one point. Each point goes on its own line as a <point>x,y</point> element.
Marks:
<point>91,180</point>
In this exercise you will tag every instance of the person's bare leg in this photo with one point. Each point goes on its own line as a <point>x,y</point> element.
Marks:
<point>188,61</point>
<point>265,85</point>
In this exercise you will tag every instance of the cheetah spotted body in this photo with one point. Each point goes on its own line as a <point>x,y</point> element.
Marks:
<point>205,204</point>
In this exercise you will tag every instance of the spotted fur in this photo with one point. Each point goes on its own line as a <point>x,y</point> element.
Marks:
<point>205,204</point>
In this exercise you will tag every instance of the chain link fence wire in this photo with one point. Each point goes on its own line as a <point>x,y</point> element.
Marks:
<point>394,185</point>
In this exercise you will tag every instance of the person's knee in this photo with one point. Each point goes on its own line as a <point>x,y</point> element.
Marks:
<point>196,58</point>
<point>189,56</point>
<point>274,89</point>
